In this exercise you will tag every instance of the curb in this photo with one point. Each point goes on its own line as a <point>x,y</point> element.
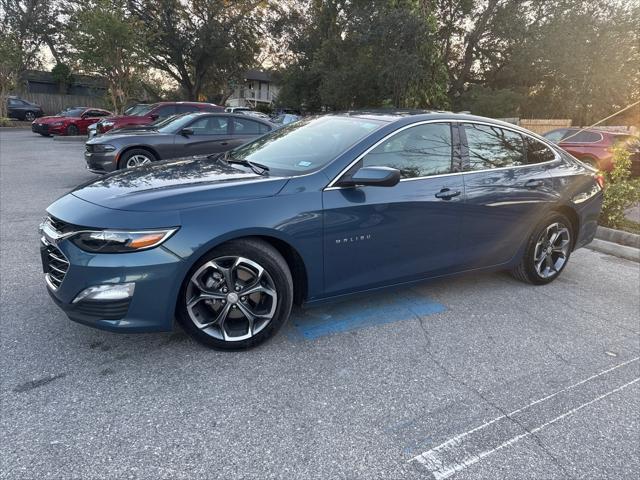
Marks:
<point>610,248</point>
<point>78,138</point>
<point>618,236</point>
<point>6,129</point>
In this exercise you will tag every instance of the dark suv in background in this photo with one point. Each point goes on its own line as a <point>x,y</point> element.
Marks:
<point>146,114</point>
<point>22,110</point>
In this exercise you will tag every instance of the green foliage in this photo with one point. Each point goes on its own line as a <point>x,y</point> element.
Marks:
<point>62,73</point>
<point>200,44</point>
<point>356,54</point>
<point>500,103</point>
<point>11,61</point>
<point>621,191</point>
<point>107,42</point>
<point>5,122</point>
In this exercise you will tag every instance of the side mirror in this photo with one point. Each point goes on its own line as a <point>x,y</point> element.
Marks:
<point>374,177</point>
<point>186,132</point>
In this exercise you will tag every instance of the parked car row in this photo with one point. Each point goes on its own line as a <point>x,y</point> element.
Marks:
<point>595,147</point>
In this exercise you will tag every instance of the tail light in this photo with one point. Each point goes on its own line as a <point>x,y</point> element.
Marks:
<point>600,180</point>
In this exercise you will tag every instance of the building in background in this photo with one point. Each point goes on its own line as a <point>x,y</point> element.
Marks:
<point>258,88</point>
<point>36,81</point>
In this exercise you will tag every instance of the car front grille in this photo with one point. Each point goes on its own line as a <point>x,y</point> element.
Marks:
<point>54,263</point>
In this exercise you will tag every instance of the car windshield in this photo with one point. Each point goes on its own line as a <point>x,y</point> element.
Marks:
<point>138,109</point>
<point>71,112</point>
<point>306,145</point>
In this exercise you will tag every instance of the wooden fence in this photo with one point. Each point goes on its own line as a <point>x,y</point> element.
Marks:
<point>53,103</point>
<point>544,125</point>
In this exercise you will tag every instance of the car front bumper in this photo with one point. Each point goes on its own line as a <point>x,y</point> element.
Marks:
<point>101,162</point>
<point>150,308</point>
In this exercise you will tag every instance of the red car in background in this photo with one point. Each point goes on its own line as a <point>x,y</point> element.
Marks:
<point>146,114</point>
<point>595,147</point>
<point>72,121</point>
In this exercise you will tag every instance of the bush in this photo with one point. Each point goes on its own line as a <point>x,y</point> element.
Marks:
<point>620,190</point>
<point>5,122</point>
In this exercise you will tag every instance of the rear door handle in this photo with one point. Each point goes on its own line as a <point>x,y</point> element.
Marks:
<point>534,184</point>
<point>447,194</point>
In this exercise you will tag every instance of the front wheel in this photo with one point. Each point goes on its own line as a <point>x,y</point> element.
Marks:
<point>72,130</point>
<point>236,296</point>
<point>547,251</point>
<point>29,116</point>
<point>135,158</point>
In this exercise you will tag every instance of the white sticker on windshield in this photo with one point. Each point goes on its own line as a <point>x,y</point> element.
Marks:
<point>304,164</point>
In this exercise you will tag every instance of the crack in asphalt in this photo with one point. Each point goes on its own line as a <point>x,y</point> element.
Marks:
<point>534,436</point>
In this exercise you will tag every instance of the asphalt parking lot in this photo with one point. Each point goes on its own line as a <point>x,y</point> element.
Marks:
<point>480,377</point>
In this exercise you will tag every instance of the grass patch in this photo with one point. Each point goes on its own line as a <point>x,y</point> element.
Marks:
<point>630,226</point>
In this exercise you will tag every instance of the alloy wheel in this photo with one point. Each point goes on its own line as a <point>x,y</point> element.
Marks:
<point>231,298</point>
<point>29,116</point>
<point>137,160</point>
<point>552,250</point>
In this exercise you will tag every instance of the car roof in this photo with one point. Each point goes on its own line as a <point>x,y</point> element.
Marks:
<point>227,114</point>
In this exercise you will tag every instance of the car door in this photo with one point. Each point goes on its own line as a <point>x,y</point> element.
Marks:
<point>507,188</point>
<point>210,134</point>
<point>245,129</point>
<point>382,235</point>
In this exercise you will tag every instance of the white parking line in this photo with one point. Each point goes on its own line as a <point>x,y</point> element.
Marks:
<point>433,459</point>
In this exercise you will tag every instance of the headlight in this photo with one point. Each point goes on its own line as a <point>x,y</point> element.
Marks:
<point>116,241</point>
<point>103,148</point>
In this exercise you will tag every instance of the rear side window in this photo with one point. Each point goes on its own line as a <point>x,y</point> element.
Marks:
<point>582,137</point>
<point>493,147</point>
<point>538,152</point>
<point>418,151</point>
<point>165,111</point>
<point>185,108</point>
<point>248,127</point>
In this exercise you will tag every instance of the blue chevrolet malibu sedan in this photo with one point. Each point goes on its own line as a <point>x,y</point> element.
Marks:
<point>319,209</point>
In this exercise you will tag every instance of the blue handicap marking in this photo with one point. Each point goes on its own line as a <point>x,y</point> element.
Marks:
<point>344,316</point>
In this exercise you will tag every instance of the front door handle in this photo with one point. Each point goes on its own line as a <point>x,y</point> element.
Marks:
<point>534,184</point>
<point>447,194</point>
<point>224,144</point>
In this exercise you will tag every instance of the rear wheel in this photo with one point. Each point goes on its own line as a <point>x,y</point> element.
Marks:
<point>236,296</point>
<point>547,251</point>
<point>72,130</point>
<point>135,158</point>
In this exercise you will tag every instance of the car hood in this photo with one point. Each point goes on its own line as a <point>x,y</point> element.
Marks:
<point>53,119</point>
<point>125,134</point>
<point>177,184</point>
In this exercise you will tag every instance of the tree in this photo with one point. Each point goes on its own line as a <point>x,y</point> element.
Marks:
<point>355,54</point>
<point>107,41</point>
<point>11,62</point>
<point>201,44</point>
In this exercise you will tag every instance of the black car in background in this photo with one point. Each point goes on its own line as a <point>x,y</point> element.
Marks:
<point>20,109</point>
<point>186,135</point>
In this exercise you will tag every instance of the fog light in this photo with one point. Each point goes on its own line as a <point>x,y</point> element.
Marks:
<point>115,291</point>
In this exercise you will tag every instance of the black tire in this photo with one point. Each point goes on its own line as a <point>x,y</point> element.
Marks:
<point>526,271</point>
<point>29,116</point>
<point>45,134</point>
<point>125,160</point>
<point>72,130</point>
<point>278,276</point>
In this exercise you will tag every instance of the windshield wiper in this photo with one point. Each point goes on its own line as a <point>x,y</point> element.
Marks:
<point>255,166</point>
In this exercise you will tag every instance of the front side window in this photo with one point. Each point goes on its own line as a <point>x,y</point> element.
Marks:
<point>538,152</point>
<point>186,108</point>
<point>556,135</point>
<point>210,126</point>
<point>418,151</point>
<point>492,147</point>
